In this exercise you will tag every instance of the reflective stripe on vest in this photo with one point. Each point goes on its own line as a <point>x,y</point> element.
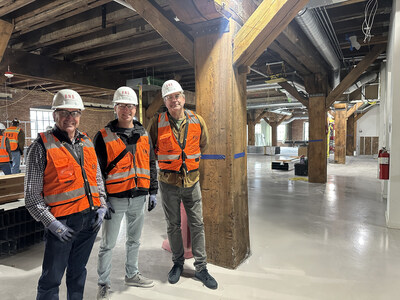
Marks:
<point>172,156</point>
<point>63,182</point>
<point>132,171</point>
<point>4,156</point>
<point>12,134</point>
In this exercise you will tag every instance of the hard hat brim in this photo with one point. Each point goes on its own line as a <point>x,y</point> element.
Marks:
<point>68,106</point>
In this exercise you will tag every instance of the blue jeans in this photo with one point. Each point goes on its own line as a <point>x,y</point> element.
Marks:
<point>72,255</point>
<point>133,209</point>
<point>6,168</point>
<point>191,198</point>
<point>16,161</point>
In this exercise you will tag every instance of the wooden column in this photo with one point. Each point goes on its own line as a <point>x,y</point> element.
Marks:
<point>351,134</point>
<point>221,101</point>
<point>340,133</point>
<point>316,86</point>
<point>251,133</point>
<point>274,133</point>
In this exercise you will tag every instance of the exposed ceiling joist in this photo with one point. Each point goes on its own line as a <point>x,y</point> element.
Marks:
<point>353,75</point>
<point>48,69</point>
<point>169,31</point>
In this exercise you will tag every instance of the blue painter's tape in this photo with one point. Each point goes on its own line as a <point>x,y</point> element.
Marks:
<point>212,156</point>
<point>238,155</point>
<point>315,141</point>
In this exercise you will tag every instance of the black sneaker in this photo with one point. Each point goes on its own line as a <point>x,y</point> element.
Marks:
<point>206,279</point>
<point>175,273</point>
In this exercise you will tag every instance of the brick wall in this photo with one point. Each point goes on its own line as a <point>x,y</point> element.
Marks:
<point>92,119</point>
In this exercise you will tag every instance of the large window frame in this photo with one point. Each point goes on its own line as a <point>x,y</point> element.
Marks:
<point>40,118</point>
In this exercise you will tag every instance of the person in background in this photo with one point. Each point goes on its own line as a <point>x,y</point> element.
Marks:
<point>64,190</point>
<point>5,152</point>
<point>17,142</point>
<point>127,162</point>
<point>179,136</point>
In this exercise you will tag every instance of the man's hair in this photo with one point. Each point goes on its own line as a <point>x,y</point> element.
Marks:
<point>15,122</point>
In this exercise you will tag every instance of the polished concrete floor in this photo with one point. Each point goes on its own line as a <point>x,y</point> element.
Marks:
<point>308,241</point>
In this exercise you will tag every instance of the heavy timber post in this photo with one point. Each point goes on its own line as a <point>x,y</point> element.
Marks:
<point>221,100</point>
<point>316,86</point>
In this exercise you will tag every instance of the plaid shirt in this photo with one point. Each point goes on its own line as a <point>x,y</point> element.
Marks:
<point>36,164</point>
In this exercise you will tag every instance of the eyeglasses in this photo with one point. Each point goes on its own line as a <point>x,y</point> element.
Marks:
<point>126,106</point>
<point>66,113</point>
<point>172,97</point>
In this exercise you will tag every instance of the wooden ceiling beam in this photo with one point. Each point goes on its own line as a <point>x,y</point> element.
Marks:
<point>288,58</point>
<point>353,109</point>
<point>168,30</point>
<point>54,11</point>
<point>375,40</point>
<point>238,10</point>
<point>151,64</point>
<point>128,46</point>
<point>354,74</point>
<point>5,34</point>
<point>294,39</point>
<point>31,66</point>
<point>137,57</point>
<point>261,29</point>
<point>138,28</point>
<point>293,91</point>
<point>9,6</point>
<point>85,24</point>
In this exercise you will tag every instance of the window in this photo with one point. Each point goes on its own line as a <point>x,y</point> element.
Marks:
<point>281,132</point>
<point>305,133</point>
<point>40,119</point>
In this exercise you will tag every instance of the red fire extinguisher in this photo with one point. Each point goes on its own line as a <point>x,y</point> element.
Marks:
<point>383,161</point>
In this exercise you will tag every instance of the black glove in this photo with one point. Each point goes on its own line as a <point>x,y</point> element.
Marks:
<point>110,210</point>
<point>63,232</point>
<point>152,202</point>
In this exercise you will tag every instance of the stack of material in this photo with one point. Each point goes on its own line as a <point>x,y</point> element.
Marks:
<point>11,187</point>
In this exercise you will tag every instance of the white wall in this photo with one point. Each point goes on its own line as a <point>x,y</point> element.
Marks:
<point>392,117</point>
<point>368,125</point>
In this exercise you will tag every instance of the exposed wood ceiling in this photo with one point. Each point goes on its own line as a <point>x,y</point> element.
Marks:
<point>94,46</point>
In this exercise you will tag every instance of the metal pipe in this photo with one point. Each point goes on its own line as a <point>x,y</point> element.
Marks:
<point>278,105</point>
<point>317,36</point>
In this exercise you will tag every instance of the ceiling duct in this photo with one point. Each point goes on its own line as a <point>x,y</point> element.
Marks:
<point>364,79</point>
<point>307,21</point>
<point>319,3</point>
<point>148,83</point>
<point>276,105</point>
<point>295,118</point>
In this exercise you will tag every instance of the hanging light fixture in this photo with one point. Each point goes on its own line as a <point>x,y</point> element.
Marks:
<point>8,73</point>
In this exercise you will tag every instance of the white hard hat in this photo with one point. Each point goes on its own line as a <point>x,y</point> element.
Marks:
<point>125,94</point>
<point>169,87</point>
<point>67,99</point>
<point>2,126</point>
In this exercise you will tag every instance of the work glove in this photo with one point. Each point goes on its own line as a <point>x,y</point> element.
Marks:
<point>110,210</point>
<point>152,202</point>
<point>100,213</point>
<point>63,232</point>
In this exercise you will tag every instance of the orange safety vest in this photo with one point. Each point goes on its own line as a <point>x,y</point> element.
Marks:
<point>131,171</point>
<point>12,134</point>
<point>174,156</point>
<point>4,156</point>
<point>64,178</point>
